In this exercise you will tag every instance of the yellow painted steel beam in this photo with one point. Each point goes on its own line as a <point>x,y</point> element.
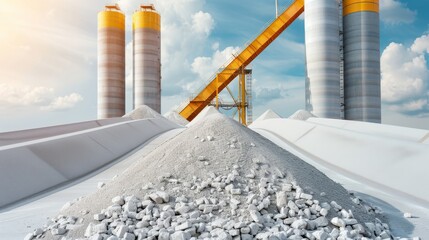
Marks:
<point>242,91</point>
<point>258,45</point>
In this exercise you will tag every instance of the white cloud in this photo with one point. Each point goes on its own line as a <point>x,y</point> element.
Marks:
<point>43,98</point>
<point>207,66</point>
<point>421,44</point>
<point>63,103</point>
<point>202,22</point>
<point>18,96</point>
<point>265,95</point>
<point>405,77</point>
<point>395,12</point>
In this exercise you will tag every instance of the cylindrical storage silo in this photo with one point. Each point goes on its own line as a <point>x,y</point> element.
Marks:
<point>362,60</point>
<point>147,57</point>
<point>322,46</point>
<point>111,63</point>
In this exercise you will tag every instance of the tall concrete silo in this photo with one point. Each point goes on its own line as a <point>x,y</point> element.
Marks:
<point>147,57</point>
<point>111,62</point>
<point>362,60</point>
<point>322,43</point>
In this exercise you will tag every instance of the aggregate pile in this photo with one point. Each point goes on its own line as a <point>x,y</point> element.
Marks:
<point>268,115</point>
<point>142,112</point>
<point>218,180</point>
<point>176,118</point>
<point>301,115</point>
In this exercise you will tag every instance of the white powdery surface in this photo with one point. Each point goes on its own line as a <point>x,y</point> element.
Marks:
<point>301,115</point>
<point>218,180</point>
<point>176,118</point>
<point>142,112</point>
<point>267,115</point>
<point>206,112</point>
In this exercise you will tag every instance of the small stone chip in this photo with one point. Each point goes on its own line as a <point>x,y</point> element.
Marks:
<point>156,198</point>
<point>100,185</point>
<point>118,200</point>
<point>99,217</point>
<point>235,191</point>
<point>338,222</point>
<point>58,231</point>
<point>165,196</point>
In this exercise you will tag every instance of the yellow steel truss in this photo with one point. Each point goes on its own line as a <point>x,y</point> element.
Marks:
<point>234,68</point>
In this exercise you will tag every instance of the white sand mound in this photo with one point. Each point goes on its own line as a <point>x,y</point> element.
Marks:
<point>267,115</point>
<point>176,118</point>
<point>219,180</point>
<point>142,112</point>
<point>209,110</point>
<point>301,115</point>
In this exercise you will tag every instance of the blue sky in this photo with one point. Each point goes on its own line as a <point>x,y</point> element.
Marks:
<point>48,57</point>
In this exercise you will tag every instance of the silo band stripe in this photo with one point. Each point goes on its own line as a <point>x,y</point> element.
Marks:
<point>350,2</point>
<point>111,19</point>
<point>361,7</point>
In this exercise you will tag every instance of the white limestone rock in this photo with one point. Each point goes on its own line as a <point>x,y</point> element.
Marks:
<point>320,235</point>
<point>120,231</point>
<point>156,198</point>
<point>118,200</point>
<point>180,235</point>
<point>281,199</point>
<point>58,231</point>
<point>338,222</point>
<point>37,232</point>
<point>183,226</point>
<point>165,196</point>
<point>299,224</point>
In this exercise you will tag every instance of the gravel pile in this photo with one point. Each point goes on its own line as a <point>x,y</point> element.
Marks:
<point>267,115</point>
<point>301,115</point>
<point>142,112</point>
<point>218,180</point>
<point>176,118</point>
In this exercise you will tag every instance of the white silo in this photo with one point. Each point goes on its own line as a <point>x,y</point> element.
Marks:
<point>362,60</point>
<point>322,43</point>
<point>147,57</point>
<point>111,63</point>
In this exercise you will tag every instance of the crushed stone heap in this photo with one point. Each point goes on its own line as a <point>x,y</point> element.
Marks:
<point>269,114</point>
<point>142,112</point>
<point>176,118</point>
<point>301,115</point>
<point>218,180</point>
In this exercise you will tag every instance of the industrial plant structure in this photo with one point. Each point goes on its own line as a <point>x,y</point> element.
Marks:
<point>343,51</point>
<point>342,60</point>
<point>147,57</point>
<point>362,96</point>
<point>111,63</point>
<point>322,46</point>
<point>111,60</point>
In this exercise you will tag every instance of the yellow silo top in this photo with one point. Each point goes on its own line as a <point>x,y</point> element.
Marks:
<point>111,17</point>
<point>147,17</point>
